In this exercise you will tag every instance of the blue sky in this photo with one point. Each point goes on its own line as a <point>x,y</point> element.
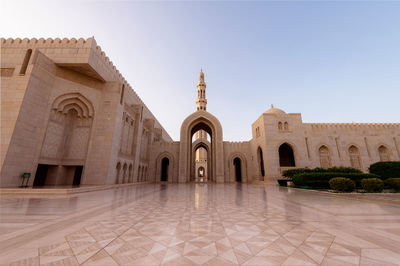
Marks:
<point>332,61</point>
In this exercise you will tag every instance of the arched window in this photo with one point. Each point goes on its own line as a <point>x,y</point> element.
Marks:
<point>25,62</point>
<point>324,157</point>
<point>118,171</point>
<point>260,161</point>
<point>384,155</point>
<point>280,125</point>
<point>355,160</point>
<point>286,156</point>
<point>286,126</point>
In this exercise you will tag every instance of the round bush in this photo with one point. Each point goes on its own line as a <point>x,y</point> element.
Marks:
<point>385,169</point>
<point>393,183</point>
<point>342,184</point>
<point>372,184</point>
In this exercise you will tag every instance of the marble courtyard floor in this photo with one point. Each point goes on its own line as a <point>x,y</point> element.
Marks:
<point>211,224</point>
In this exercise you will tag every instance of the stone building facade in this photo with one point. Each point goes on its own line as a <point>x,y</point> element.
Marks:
<point>68,117</point>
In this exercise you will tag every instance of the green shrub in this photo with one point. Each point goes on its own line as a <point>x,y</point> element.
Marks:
<point>321,180</point>
<point>393,183</point>
<point>342,184</point>
<point>385,169</point>
<point>291,172</point>
<point>372,184</point>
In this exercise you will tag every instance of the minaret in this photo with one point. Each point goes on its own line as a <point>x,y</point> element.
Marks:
<point>201,101</point>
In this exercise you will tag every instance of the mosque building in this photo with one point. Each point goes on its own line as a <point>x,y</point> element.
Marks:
<point>68,117</point>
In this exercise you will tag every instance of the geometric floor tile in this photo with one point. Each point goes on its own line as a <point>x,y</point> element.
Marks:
<point>200,224</point>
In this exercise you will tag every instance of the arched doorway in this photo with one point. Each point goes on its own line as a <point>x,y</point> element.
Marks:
<point>238,169</point>
<point>201,153</point>
<point>201,173</point>
<point>286,156</point>
<point>164,169</point>
<point>118,172</point>
<point>261,162</point>
<point>201,120</point>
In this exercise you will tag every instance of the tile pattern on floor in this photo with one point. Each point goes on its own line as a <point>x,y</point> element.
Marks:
<point>199,224</point>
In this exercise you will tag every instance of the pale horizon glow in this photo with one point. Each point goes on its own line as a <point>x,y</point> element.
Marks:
<point>333,62</point>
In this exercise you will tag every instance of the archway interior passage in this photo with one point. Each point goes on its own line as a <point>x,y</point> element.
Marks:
<point>238,169</point>
<point>201,153</point>
<point>286,156</point>
<point>164,169</point>
<point>201,162</point>
<point>201,171</point>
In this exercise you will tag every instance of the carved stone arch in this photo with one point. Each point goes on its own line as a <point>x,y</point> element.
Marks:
<point>293,151</point>
<point>231,168</point>
<point>72,106</point>
<point>354,153</point>
<point>68,129</point>
<point>204,144</point>
<point>201,120</point>
<point>324,154</point>
<point>198,141</point>
<point>76,99</point>
<point>384,153</point>
<point>171,167</point>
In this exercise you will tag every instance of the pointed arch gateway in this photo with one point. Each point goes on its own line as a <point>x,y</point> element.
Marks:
<point>201,120</point>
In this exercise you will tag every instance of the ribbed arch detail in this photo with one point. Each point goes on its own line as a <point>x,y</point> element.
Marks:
<point>77,101</point>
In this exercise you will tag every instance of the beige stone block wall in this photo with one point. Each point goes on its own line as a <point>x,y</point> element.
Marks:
<point>242,151</point>
<point>78,66</point>
<point>29,115</point>
<point>161,150</point>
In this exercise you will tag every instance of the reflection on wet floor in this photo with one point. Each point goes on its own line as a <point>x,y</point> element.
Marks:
<point>213,224</point>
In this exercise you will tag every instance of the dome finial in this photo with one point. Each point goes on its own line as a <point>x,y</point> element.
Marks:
<point>272,106</point>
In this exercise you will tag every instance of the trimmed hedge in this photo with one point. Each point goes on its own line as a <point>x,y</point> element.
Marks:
<point>393,183</point>
<point>342,184</point>
<point>372,184</point>
<point>385,169</point>
<point>321,180</point>
<point>291,172</point>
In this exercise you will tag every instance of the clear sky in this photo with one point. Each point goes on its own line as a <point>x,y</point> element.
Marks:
<point>332,61</point>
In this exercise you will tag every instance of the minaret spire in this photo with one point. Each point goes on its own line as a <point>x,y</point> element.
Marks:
<point>201,101</point>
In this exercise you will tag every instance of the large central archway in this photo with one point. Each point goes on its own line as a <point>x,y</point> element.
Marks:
<point>201,120</point>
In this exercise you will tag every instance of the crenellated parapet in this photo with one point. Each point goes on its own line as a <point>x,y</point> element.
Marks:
<point>237,145</point>
<point>352,126</point>
<point>81,55</point>
<point>72,51</point>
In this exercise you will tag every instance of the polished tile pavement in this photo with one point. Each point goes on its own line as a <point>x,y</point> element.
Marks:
<point>200,224</point>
